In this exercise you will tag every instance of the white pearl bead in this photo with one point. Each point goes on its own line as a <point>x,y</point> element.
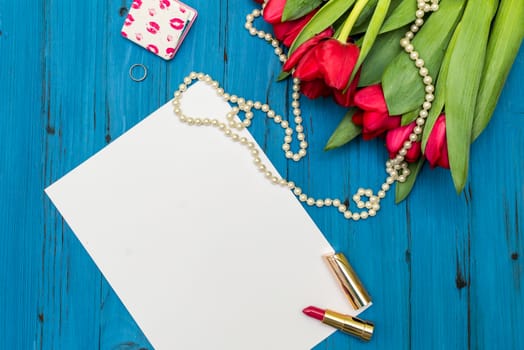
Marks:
<point>414,28</point>
<point>420,121</point>
<point>310,201</point>
<point>427,80</point>
<point>319,203</point>
<point>328,201</point>
<point>404,42</point>
<point>336,202</point>
<point>348,214</point>
<point>364,215</point>
<point>430,97</point>
<point>419,22</point>
<point>423,71</point>
<point>341,208</point>
<point>419,63</point>
<point>356,216</point>
<point>302,198</point>
<point>423,113</point>
<point>409,35</point>
<point>297,191</point>
<point>413,55</point>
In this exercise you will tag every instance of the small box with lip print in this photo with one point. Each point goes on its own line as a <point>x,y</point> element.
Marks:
<point>159,26</point>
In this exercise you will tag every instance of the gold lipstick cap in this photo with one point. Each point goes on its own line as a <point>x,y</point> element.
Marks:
<point>349,281</point>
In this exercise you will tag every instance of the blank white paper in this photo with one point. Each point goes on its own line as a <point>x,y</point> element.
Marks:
<point>203,251</point>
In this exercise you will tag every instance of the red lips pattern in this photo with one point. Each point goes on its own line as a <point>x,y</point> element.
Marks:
<point>136,4</point>
<point>145,26</point>
<point>164,4</point>
<point>153,27</point>
<point>176,23</point>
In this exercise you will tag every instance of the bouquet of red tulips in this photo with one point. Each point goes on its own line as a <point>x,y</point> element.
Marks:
<point>362,53</point>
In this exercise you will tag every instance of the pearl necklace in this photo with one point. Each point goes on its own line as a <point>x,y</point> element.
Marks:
<point>396,168</point>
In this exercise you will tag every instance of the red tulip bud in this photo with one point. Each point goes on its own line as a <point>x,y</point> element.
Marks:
<point>273,11</point>
<point>395,140</point>
<point>437,147</point>
<point>375,119</point>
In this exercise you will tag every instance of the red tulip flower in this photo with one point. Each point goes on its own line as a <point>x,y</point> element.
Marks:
<point>374,119</point>
<point>437,147</point>
<point>287,31</point>
<point>324,66</point>
<point>273,11</point>
<point>395,139</point>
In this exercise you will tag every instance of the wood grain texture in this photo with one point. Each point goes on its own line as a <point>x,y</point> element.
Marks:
<point>444,270</point>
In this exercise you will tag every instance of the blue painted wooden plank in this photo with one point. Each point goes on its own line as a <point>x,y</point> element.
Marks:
<point>21,159</point>
<point>497,186</point>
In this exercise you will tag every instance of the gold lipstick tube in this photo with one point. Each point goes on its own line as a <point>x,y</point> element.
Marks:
<point>349,324</point>
<point>349,281</point>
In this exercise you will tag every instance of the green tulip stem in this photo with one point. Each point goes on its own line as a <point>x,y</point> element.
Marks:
<point>350,21</point>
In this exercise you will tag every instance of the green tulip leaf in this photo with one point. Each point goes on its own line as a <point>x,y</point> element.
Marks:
<point>324,18</point>
<point>403,14</point>
<point>365,15</point>
<point>403,189</point>
<point>382,53</point>
<point>297,8</point>
<point>362,24</point>
<point>462,84</point>
<point>283,76</point>
<point>345,132</point>
<point>371,34</point>
<point>409,117</point>
<point>402,84</point>
<point>440,91</point>
<point>503,47</point>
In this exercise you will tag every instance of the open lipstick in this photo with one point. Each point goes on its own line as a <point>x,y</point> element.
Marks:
<point>345,323</point>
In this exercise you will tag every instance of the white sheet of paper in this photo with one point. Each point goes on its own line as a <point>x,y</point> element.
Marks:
<point>203,251</point>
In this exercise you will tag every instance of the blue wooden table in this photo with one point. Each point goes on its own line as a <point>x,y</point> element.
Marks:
<point>445,270</point>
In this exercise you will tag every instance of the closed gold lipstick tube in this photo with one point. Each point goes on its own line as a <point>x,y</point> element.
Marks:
<point>350,325</point>
<point>348,280</point>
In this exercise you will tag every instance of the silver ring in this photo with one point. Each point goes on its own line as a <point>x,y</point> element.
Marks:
<point>133,69</point>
